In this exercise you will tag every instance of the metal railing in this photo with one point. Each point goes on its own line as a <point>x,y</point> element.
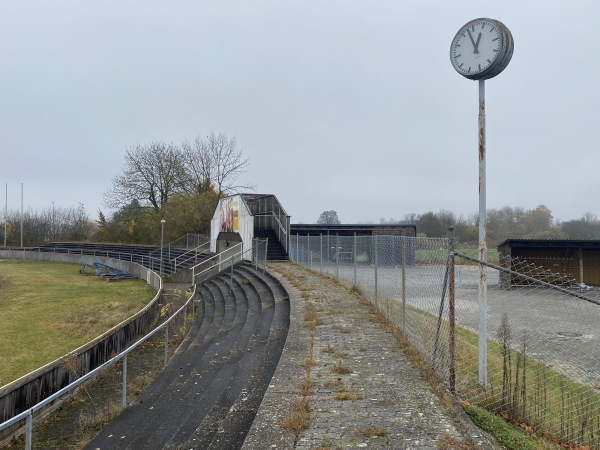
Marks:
<point>190,255</point>
<point>224,260</point>
<point>144,260</point>
<point>150,261</point>
<point>280,230</point>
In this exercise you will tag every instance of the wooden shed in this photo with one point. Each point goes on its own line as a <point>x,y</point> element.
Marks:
<point>577,259</point>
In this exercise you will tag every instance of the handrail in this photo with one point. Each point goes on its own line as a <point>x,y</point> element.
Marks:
<point>193,253</point>
<point>177,242</point>
<point>281,227</point>
<point>28,414</point>
<point>217,260</point>
<point>131,257</point>
<point>231,258</point>
<point>147,260</point>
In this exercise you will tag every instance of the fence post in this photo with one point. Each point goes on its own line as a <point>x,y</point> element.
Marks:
<point>266,243</point>
<point>441,310</point>
<point>376,264</point>
<point>266,254</point>
<point>255,249</point>
<point>328,252</point>
<point>337,256</point>
<point>185,317</point>
<point>124,399</point>
<point>403,284</point>
<point>29,430</point>
<point>309,262</point>
<point>166,343</point>
<point>231,277</point>
<point>452,316</point>
<point>321,252</point>
<point>354,258</point>
<point>297,247</point>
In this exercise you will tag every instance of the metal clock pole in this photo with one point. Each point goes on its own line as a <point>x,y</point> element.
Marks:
<point>482,242</point>
<point>480,50</point>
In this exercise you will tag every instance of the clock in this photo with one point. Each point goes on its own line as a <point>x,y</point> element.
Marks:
<point>481,49</point>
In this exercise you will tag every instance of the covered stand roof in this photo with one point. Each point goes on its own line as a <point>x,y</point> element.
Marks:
<point>351,229</point>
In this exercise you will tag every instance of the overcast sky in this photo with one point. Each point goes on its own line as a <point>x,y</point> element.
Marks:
<point>340,105</point>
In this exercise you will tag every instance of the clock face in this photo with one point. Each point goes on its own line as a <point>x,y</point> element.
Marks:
<point>481,49</point>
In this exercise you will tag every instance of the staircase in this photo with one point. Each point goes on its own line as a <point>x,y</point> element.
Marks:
<point>275,250</point>
<point>209,393</point>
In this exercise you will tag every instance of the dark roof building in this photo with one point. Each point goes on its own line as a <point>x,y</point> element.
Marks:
<point>352,242</point>
<point>352,230</point>
<point>578,259</point>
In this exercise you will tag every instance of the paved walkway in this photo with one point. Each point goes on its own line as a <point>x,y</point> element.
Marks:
<point>365,392</point>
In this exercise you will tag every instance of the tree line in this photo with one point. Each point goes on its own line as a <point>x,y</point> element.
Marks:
<point>50,224</point>
<point>181,184</point>
<point>504,223</point>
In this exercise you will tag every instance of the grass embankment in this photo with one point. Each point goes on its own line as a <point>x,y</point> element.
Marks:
<point>50,309</point>
<point>439,256</point>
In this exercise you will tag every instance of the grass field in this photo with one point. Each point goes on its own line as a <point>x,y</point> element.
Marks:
<point>50,309</point>
<point>439,256</point>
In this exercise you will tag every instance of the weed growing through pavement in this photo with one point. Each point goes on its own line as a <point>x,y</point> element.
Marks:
<point>309,363</point>
<point>311,318</point>
<point>344,394</point>
<point>373,431</point>
<point>341,368</point>
<point>326,444</point>
<point>299,418</point>
<point>330,349</point>
<point>306,386</point>
<point>342,328</point>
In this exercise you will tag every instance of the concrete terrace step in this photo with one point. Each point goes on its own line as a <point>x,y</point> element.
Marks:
<point>209,393</point>
<point>230,419</point>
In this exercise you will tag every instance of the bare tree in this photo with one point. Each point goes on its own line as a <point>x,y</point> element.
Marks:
<point>587,227</point>
<point>329,218</point>
<point>199,165</point>
<point>215,161</point>
<point>152,174</point>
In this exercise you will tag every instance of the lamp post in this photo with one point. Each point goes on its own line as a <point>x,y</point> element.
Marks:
<point>52,226</point>
<point>162,235</point>
<point>5,212</point>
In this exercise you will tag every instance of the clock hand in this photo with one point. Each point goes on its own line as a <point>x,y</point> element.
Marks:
<point>473,41</point>
<point>477,43</point>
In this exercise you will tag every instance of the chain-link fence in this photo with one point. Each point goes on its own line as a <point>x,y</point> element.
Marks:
<point>541,355</point>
